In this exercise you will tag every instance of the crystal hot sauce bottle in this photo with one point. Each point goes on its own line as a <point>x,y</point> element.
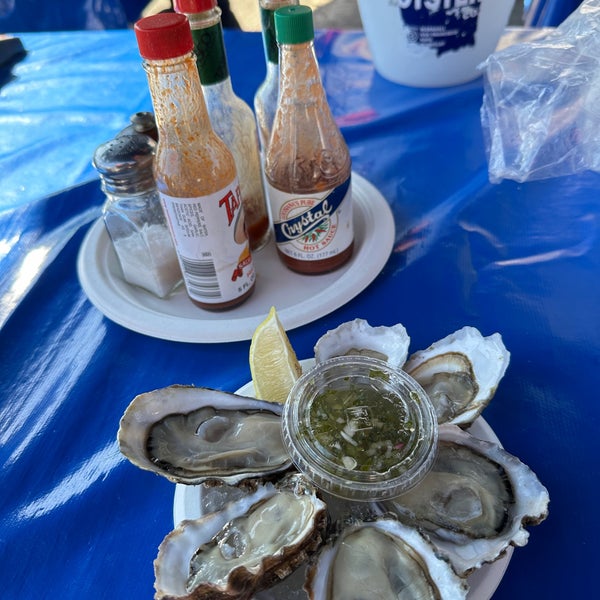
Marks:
<point>194,170</point>
<point>307,163</point>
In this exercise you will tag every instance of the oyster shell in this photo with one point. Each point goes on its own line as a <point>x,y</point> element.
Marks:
<point>382,559</point>
<point>475,501</point>
<point>192,434</point>
<point>247,546</point>
<point>358,337</point>
<point>460,373</point>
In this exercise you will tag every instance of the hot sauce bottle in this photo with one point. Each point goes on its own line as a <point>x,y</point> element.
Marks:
<point>307,163</point>
<point>194,170</point>
<point>265,99</point>
<point>231,118</point>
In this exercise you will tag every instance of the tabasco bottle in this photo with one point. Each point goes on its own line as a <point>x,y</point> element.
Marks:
<point>194,170</point>
<point>231,118</point>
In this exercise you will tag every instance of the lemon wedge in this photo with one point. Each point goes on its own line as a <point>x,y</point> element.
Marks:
<point>273,363</point>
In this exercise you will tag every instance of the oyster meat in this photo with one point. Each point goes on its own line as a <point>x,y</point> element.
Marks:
<point>267,519</point>
<point>382,559</point>
<point>460,373</point>
<point>247,546</point>
<point>191,434</point>
<point>475,501</point>
<point>389,344</point>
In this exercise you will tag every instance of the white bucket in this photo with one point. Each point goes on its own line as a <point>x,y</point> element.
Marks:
<point>432,43</point>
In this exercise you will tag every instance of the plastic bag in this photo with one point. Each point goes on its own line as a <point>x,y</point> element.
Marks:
<point>541,105</point>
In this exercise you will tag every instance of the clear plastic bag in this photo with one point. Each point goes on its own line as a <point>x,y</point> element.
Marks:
<point>541,104</point>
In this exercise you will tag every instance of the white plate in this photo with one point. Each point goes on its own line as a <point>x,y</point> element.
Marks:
<point>187,504</point>
<point>299,299</point>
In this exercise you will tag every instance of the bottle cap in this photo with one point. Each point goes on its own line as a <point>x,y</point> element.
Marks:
<point>193,6</point>
<point>162,36</point>
<point>294,24</point>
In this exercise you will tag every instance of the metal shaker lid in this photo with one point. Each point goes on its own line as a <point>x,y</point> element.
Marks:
<point>125,164</point>
<point>141,122</point>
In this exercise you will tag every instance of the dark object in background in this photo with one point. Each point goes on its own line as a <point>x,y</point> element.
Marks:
<point>67,15</point>
<point>228,19</point>
<point>70,15</point>
<point>11,52</point>
<point>549,13</point>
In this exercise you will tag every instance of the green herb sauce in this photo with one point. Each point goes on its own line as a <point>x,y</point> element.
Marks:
<point>363,429</point>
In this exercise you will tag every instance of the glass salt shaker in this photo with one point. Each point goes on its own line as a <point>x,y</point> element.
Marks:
<point>133,215</point>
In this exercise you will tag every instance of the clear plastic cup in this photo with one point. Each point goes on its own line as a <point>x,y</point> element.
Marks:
<point>360,429</point>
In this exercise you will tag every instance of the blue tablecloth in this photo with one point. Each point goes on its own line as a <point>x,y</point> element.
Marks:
<point>79,521</point>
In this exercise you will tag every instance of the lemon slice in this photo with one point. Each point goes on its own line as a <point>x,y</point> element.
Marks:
<point>273,363</point>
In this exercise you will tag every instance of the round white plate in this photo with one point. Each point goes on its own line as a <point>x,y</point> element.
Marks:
<point>187,504</point>
<point>299,299</point>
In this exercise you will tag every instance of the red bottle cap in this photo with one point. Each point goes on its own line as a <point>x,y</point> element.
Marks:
<point>193,6</point>
<point>165,35</point>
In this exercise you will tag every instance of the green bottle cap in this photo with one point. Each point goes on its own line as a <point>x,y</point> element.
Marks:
<point>294,24</point>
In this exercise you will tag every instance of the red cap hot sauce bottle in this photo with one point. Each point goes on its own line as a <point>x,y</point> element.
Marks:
<point>195,171</point>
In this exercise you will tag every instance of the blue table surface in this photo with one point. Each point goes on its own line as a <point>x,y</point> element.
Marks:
<point>77,520</point>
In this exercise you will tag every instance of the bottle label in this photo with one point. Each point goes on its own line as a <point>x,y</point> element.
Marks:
<point>442,25</point>
<point>211,243</point>
<point>313,226</point>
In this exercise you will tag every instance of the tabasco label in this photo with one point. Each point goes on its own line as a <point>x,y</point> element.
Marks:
<point>211,243</point>
<point>313,226</point>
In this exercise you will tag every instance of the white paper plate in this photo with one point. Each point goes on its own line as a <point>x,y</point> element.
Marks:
<point>299,299</point>
<point>187,504</point>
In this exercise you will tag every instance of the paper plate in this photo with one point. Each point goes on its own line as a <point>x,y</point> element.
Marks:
<point>299,299</point>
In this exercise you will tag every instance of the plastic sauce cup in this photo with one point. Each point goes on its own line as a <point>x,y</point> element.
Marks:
<point>360,429</point>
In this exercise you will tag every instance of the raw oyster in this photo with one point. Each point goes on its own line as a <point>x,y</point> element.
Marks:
<point>192,434</point>
<point>247,546</point>
<point>382,559</point>
<point>358,337</point>
<point>460,373</point>
<point>475,501</point>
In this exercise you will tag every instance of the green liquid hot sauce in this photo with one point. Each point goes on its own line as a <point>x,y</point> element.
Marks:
<point>363,429</point>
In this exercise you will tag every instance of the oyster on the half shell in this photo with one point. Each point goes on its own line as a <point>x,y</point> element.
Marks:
<point>475,501</point>
<point>382,559</point>
<point>460,373</point>
<point>191,434</point>
<point>249,545</point>
<point>389,344</point>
